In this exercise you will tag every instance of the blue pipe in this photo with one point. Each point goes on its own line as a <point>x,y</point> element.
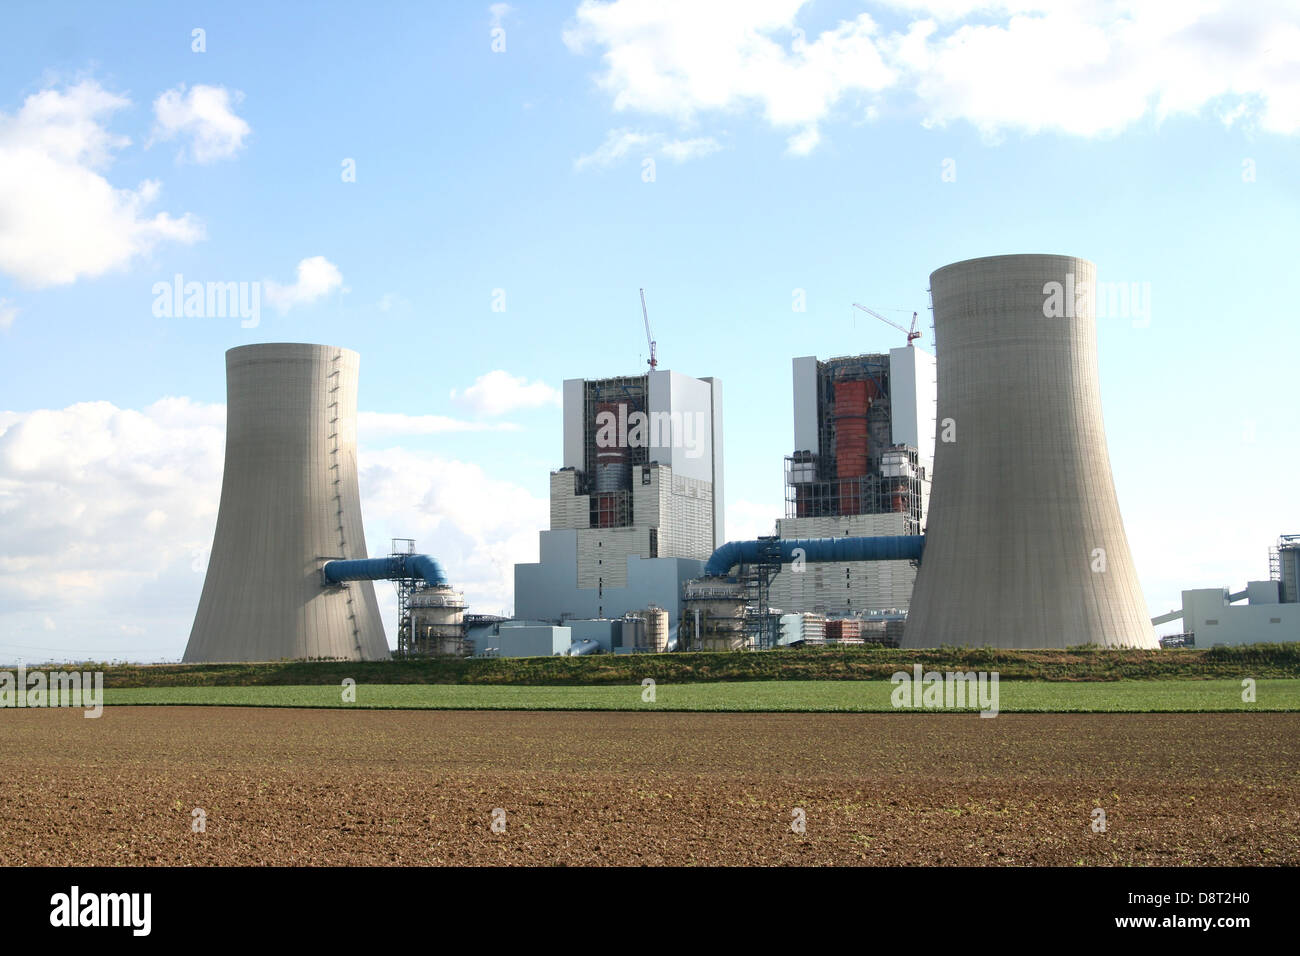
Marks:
<point>904,547</point>
<point>391,568</point>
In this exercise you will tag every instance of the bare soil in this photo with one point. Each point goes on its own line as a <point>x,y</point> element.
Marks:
<point>330,787</point>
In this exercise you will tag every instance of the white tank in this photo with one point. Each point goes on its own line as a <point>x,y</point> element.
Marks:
<point>438,621</point>
<point>656,621</point>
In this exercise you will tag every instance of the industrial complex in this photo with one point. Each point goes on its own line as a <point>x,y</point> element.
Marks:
<point>959,498</point>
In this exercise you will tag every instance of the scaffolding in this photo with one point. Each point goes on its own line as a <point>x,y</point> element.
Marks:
<point>611,509</point>
<point>762,627</point>
<point>611,506</point>
<point>1284,567</point>
<point>891,477</point>
<point>893,485</point>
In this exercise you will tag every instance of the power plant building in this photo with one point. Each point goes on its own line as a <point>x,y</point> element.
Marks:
<point>864,439</point>
<point>1270,613</point>
<point>289,504</point>
<point>637,507</point>
<point>1024,543</point>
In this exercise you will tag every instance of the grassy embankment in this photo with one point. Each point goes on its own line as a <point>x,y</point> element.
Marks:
<point>812,664</point>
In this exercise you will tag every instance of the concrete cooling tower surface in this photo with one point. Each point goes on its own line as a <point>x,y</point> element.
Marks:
<point>289,503</point>
<point>1024,544</point>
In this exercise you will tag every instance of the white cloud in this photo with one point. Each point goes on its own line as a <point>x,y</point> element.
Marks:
<point>803,142</point>
<point>60,219</point>
<point>499,12</point>
<point>107,515</point>
<point>372,425</point>
<point>317,277</point>
<point>1098,70</point>
<point>8,312</point>
<point>499,392</point>
<point>679,59</point>
<point>747,520</point>
<point>1083,69</point>
<point>206,116</point>
<point>618,144</point>
<point>477,526</point>
<point>96,501</point>
<point>680,150</point>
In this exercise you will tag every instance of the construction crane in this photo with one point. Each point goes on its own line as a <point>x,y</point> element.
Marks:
<point>911,333</point>
<point>649,337</point>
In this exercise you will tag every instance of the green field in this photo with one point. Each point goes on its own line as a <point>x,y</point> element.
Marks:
<point>773,696</point>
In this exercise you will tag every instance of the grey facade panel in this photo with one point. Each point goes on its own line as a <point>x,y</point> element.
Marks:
<point>719,472</point>
<point>807,424</point>
<point>573,428</point>
<point>1025,546</point>
<point>289,502</point>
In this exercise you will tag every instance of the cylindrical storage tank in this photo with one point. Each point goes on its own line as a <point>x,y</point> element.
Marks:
<point>656,623</point>
<point>1025,546</point>
<point>613,467</point>
<point>289,503</point>
<point>438,619</point>
<point>1289,562</point>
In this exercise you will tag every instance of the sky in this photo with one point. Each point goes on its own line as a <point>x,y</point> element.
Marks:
<point>471,195</point>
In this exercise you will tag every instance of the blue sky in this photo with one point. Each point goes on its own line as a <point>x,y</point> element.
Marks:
<point>795,146</point>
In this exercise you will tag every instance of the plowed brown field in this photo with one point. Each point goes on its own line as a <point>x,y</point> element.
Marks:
<point>406,787</point>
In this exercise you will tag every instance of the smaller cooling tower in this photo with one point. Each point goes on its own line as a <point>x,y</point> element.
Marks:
<point>1024,546</point>
<point>289,503</point>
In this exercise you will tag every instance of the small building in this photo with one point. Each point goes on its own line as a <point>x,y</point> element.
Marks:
<point>522,639</point>
<point>1270,615</point>
<point>1213,617</point>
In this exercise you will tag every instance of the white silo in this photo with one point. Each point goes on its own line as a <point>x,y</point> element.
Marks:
<point>289,503</point>
<point>1024,545</point>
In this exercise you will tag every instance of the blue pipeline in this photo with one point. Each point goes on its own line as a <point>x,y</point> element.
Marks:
<point>906,547</point>
<point>391,568</point>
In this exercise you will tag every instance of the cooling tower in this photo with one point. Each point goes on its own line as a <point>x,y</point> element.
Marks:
<point>289,503</point>
<point>1024,546</point>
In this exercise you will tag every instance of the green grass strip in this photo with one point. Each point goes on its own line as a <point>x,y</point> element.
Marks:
<point>1165,696</point>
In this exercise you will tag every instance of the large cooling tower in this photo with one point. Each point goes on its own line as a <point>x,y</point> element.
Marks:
<point>289,503</point>
<point>1024,546</point>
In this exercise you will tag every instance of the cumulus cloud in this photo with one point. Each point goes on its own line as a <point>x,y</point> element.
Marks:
<point>204,116</point>
<point>617,145</point>
<point>107,516</point>
<point>1082,69</point>
<point>317,277</point>
<point>680,150</point>
<point>747,520</point>
<point>499,392</point>
<point>372,425</point>
<point>620,143</point>
<point>60,218</point>
<point>680,59</point>
<point>477,526</point>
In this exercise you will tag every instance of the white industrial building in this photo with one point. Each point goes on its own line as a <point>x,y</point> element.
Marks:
<point>864,429</point>
<point>1213,617</point>
<point>637,507</point>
